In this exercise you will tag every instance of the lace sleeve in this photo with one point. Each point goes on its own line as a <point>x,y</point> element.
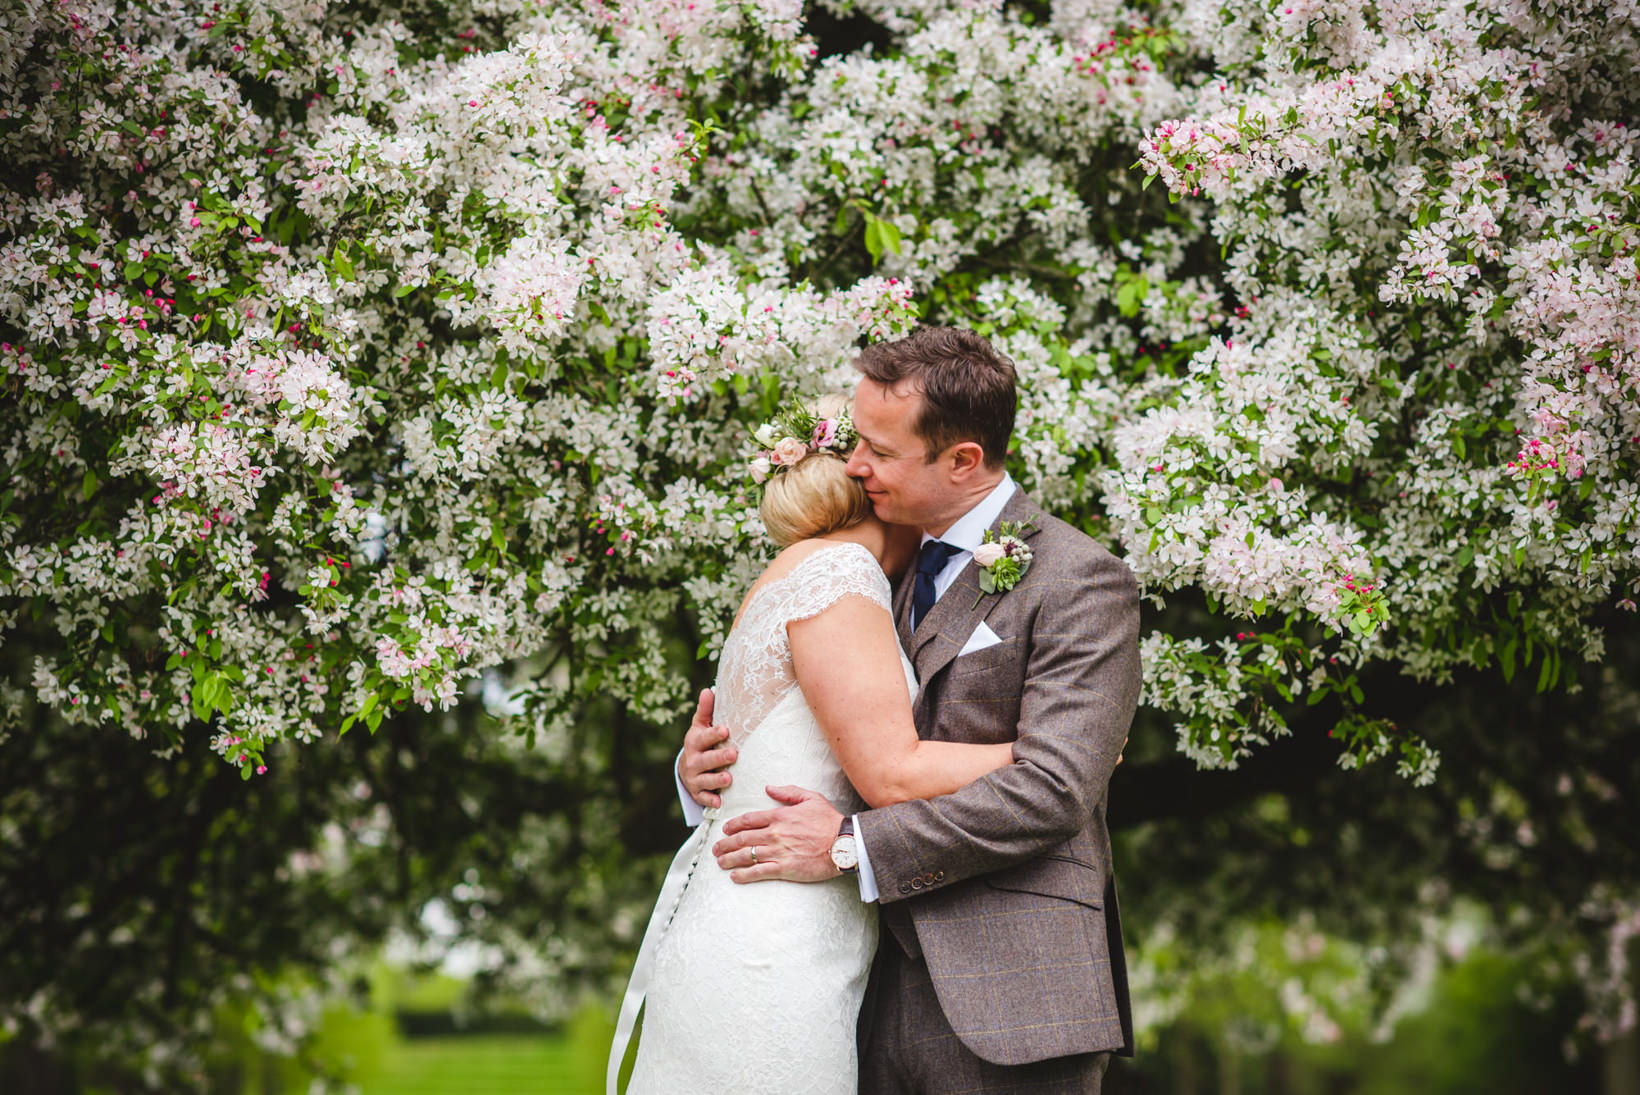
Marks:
<point>829,575</point>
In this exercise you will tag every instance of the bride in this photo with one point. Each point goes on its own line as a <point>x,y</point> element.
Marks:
<point>754,989</point>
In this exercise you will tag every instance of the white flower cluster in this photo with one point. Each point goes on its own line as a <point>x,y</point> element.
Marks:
<point>426,360</point>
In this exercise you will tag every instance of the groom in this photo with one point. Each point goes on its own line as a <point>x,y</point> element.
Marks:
<point>1001,967</point>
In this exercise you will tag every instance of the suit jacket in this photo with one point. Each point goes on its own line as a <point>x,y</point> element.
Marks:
<point>1005,887</point>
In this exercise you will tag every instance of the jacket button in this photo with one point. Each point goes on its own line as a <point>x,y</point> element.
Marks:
<point>916,883</point>
<point>928,879</point>
<point>905,887</point>
<point>939,876</point>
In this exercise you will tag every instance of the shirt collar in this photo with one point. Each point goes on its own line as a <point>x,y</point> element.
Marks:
<point>969,530</point>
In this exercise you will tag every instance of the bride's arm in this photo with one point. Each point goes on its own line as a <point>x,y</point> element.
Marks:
<point>848,664</point>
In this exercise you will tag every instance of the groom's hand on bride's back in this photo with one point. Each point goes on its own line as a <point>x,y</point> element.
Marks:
<point>706,753</point>
<point>792,842</point>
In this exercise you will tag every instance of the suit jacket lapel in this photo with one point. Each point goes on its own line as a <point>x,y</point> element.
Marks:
<point>941,635</point>
<point>902,608</point>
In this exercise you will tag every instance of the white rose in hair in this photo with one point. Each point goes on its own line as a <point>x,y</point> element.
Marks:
<point>765,435</point>
<point>789,451</point>
<point>986,554</point>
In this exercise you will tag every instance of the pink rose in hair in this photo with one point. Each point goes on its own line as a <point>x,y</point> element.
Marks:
<point>789,451</point>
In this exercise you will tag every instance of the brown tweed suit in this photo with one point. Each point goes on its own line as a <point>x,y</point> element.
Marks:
<point>1004,888</point>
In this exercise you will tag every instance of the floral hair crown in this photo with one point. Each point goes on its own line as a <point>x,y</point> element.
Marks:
<point>794,433</point>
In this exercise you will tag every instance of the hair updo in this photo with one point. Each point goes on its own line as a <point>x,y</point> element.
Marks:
<point>812,498</point>
<point>815,496</point>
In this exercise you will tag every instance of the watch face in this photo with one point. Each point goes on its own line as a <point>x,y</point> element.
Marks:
<point>843,854</point>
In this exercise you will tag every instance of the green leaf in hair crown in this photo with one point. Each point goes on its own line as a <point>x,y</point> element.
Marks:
<point>796,432</point>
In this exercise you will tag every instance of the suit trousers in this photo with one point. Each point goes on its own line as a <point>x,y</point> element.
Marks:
<point>907,1046</point>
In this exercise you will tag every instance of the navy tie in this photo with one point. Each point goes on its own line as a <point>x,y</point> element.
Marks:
<point>931,559</point>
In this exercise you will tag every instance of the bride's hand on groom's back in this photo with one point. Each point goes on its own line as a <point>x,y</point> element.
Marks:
<point>706,753</point>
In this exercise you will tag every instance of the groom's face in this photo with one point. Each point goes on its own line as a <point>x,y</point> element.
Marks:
<point>891,460</point>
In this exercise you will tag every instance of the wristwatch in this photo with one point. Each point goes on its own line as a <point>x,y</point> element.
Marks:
<point>843,855</point>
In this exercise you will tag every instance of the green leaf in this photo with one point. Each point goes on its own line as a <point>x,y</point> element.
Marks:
<point>88,485</point>
<point>1153,515</point>
<point>890,233</point>
<point>874,238</point>
<point>1127,299</point>
<point>203,697</point>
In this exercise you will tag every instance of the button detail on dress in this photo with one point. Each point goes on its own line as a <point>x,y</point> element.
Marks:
<point>905,887</point>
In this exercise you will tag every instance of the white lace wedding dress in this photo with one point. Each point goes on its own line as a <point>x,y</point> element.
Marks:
<point>755,989</point>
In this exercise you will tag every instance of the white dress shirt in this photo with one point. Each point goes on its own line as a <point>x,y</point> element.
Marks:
<point>966,534</point>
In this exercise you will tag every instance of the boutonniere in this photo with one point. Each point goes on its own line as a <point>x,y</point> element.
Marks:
<point>1003,560</point>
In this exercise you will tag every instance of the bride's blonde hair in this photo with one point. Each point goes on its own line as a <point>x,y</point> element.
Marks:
<point>815,496</point>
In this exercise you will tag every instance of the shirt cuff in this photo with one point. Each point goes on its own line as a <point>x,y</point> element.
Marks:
<point>868,881</point>
<point>693,812</point>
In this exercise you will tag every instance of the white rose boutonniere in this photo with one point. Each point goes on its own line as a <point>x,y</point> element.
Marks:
<point>1002,559</point>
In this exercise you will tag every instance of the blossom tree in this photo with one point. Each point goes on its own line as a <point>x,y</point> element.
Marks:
<point>357,354</point>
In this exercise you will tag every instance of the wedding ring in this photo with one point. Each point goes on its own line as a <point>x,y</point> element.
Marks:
<point>754,855</point>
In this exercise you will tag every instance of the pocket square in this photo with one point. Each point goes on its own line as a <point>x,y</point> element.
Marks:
<point>982,637</point>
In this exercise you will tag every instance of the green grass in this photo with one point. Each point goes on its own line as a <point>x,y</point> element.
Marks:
<point>487,1065</point>
<point>568,1062</point>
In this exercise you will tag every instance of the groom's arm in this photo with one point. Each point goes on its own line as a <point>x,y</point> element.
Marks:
<point>702,766</point>
<point>1080,690</point>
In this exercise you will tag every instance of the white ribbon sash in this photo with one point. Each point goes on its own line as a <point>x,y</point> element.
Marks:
<point>666,906</point>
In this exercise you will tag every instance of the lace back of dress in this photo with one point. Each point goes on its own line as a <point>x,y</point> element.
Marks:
<point>755,673</point>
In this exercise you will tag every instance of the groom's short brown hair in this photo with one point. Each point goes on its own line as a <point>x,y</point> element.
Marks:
<point>967,387</point>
